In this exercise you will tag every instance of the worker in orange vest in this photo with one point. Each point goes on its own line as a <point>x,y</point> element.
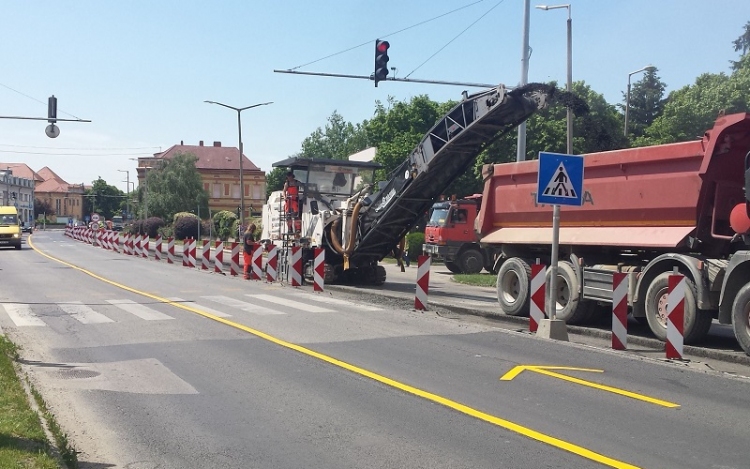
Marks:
<point>291,198</point>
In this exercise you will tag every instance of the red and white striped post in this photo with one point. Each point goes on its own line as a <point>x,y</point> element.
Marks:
<point>157,248</point>
<point>256,272</point>
<point>296,266</point>
<point>186,252</point>
<point>620,311</point>
<point>116,244</point>
<point>234,263</point>
<point>170,250</point>
<point>272,263</point>
<point>536,307</point>
<point>219,257</point>
<point>423,282</point>
<point>205,255</point>
<point>675,316</point>
<point>192,257</point>
<point>145,246</point>
<point>319,266</point>
<point>137,245</point>
<point>126,244</point>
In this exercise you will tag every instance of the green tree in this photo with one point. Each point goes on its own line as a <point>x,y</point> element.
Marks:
<point>336,141</point>
<point>173,186</point>
<point>275,180</point>
<point>742,43</point>
<point>103,199</point>
<point>42,207</point>
<point>646,102</point>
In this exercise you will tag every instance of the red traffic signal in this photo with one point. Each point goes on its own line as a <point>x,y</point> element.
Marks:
<point>381,60</point>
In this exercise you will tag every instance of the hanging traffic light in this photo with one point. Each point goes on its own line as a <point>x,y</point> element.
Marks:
<point>381,60</point>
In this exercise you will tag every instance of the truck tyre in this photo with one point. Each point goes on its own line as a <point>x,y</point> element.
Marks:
<point>513,287</point>
<point>453,267</point>
<point>741,318</point>
<point>567,298</point>
<point>697,322</point>
<point>470,261</point>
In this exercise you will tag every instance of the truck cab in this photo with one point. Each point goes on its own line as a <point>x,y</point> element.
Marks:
<point>10,227</point>
<point>449,236</point>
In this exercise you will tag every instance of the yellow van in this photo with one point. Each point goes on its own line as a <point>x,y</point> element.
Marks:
<point>10,228</point>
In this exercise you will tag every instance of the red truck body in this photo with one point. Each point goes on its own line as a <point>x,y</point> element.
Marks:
<point>647,209</point>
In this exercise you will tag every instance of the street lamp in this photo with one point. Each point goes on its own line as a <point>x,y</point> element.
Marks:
<point>627,96</point>
<point>570,67</point>
<point>556,208</point>
<point>239,129</point>
<point>127,189</point>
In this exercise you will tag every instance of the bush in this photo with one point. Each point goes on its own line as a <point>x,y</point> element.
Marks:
<point>185,227</point>
<point>151,226</point>
<point>179,215</point>
<point>166,231</point>
<point>416,240</point>
<point>224,220</point>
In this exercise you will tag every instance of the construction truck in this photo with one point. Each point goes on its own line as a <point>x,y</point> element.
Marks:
<point>358,220</point>
<point>449,236</point>
<point>647,212</point>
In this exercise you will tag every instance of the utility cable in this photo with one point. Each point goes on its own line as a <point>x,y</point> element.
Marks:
<point>38,101</point>
<point>456,37</point>
<point>387,35</point>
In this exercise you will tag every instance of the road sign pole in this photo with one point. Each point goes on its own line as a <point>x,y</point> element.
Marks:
<point>552,313</point>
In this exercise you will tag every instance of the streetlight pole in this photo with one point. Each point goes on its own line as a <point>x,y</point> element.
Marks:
<point>627,96</point>
<point>556,207</point>
<point>239,131</point>
<point>127,190</point>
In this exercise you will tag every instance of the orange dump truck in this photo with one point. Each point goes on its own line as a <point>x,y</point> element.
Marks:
<point>646,211</point>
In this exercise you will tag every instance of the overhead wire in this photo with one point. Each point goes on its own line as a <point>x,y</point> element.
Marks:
<point>387,35</point>
<point>34,99</point>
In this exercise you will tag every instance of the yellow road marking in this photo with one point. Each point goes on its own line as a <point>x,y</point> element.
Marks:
<point>547,370</point>
<point>502,423</point>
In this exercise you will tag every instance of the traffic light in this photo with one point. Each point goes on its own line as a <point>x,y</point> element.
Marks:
<point>381,60</point>
<point>52,109</point>
<point>238,212</point>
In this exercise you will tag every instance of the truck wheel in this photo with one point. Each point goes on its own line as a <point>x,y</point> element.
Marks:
<point>741,318</point>
<point>513,287</point>
<point>453,267</point>
<point>471,261</point>
<point>697,322</point>
<point>566,297</point>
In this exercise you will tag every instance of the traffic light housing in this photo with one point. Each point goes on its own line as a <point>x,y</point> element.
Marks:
<point>52,109</point>
<point>381,60</point>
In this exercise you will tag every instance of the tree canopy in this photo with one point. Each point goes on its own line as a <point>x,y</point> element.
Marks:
<point>103,199</point>
<point>173,186</point>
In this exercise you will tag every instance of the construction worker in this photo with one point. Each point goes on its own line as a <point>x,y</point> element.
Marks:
<point>291,198</point>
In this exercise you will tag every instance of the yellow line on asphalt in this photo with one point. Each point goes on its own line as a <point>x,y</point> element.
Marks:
<point>506,424</point>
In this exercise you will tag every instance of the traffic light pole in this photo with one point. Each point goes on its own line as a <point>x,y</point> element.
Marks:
<point>372,78</point>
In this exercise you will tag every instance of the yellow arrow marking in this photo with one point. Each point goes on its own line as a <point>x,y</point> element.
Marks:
<point>546,370</point>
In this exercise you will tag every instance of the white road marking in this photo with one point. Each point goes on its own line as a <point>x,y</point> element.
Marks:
<point>195,305</point>
<point>83,313</point>
<point>241,305</point>
<point>325,298</point>
<point>142,311</point>
<point>307,307</point>
<point>21,315</point>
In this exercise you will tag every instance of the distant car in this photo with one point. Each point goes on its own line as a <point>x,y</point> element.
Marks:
<point>27,229</point>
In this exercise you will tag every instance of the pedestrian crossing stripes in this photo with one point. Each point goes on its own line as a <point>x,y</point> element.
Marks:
<point>24,315</point>
<point>292,304</point>
<point>83,313</point>
<point>142,311</point>
<point>324,298</point>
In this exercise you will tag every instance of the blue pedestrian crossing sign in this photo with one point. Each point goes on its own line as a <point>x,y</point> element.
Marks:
<point>560,179</point>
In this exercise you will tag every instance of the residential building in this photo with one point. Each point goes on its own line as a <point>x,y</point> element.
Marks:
<point>17,190</point>
<point>219,169</point>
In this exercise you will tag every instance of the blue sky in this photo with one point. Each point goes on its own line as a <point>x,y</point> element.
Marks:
<point>140,70</point>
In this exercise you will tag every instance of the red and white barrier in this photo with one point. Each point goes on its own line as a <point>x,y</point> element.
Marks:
<point>157,248</point>
<point>675,316</point>
<point>116,240</point>
<point>423,282</point>
<point>219,257</point>
<point>137,245</point>
<point>296,266</point>
<point>536,307</point>
<point>192,253</point>
<point>145,246</point>
<point>319,267</point>
<point>205,255</point>
<point>272,263</point>
<point>234,262</point>
<point>256,271</point>
<point>170,250</point>
<point>620,311</point>
<point>188,252</point>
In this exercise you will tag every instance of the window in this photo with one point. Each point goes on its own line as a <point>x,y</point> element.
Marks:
<point>226,190</point>
<point>258,191</point>
<point>217,191</point>
<point>235,191</point>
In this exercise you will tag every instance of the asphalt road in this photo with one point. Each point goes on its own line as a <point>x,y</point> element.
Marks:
<point>149,365</point>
